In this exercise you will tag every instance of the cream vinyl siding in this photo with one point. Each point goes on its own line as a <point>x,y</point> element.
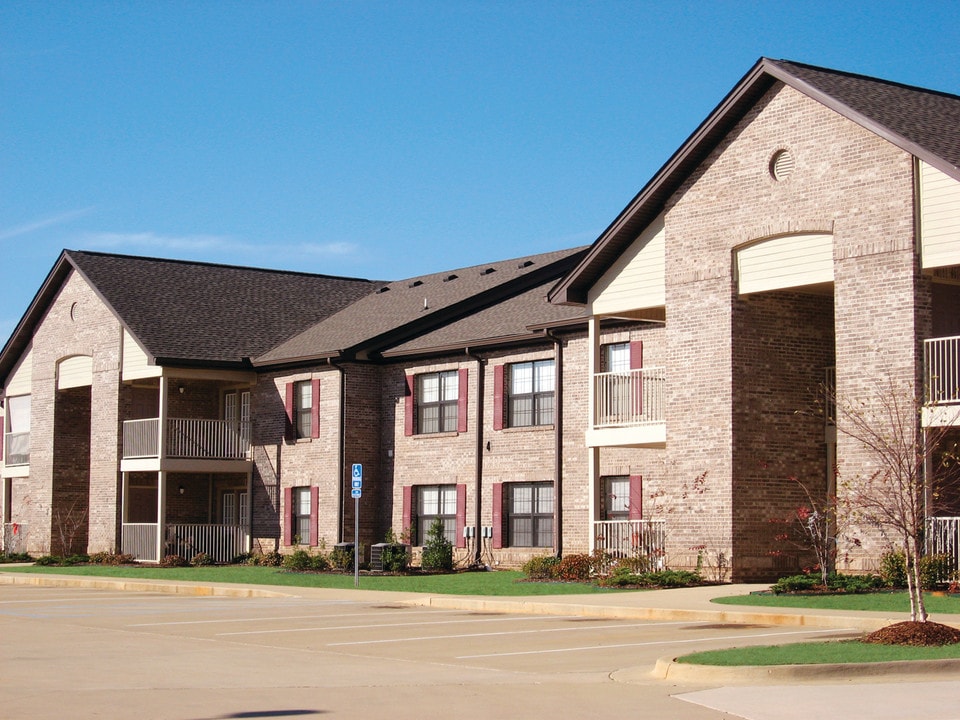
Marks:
<point>939,218</point>
<point>135,364</point>
<point>788,261</point>
<point>76,371</point>
<point>636,280</point>
<point>20,381</point>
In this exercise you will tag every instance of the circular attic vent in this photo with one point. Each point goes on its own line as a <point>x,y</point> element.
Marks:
<point>781,165</point>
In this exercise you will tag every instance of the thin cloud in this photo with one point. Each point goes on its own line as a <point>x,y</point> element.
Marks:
<point>30,227</point>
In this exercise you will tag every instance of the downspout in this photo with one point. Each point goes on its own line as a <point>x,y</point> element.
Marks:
<point>341,453</point>
<point>478,469</point>
<point>558,444</point>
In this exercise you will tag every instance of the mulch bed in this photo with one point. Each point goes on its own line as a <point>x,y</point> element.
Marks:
<point>914,633</point>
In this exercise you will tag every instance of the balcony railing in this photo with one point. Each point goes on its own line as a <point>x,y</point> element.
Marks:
<point>941,362</point>
<point>633,397</point>
<point>632,539</point>
<point>943,538</point>
<point>223,543</point>
<point>187,438</point>
<point>17,447</point>
<point>14,538</point>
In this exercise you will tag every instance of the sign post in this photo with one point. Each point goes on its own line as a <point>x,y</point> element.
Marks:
<point>356,490</point>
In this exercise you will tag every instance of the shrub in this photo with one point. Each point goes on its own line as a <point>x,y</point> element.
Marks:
<point>270,559</point>
<point>15,557</point>
<point>659,578</point>
<point>935,570</point>
<point>893,569</point>
<point>542,567</point>
<point>58,561</point>
<point>201,559</point>
<point>437,554</point>
<point>173,561</point>
<point>394,558</point>
<point>342,558</point>
<point>835,583</point>
<point>111,558</point>
<point>635,564</point>
<point>301,561</point>
<point>575,568</point>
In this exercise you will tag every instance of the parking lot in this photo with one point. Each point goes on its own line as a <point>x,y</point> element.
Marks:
<point>85,653</point>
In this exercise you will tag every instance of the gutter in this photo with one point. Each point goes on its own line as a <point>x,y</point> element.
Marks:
<point>478,460</point>
<point>557,444</point>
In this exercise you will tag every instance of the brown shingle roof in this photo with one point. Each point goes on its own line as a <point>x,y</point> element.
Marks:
<point>399,311</point>
<point>921,122</point>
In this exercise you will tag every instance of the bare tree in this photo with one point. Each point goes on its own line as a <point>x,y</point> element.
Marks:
<point>898,492</point>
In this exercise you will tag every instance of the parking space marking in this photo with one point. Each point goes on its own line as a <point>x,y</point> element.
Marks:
<point>288,617</point>
<point>510,632</point>
<point>390,625</point>
<point>651,643</point>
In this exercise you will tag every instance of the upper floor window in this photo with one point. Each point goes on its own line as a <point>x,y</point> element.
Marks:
<point>303,408</point>
<point>616,357</point>
<point>17,430</point>
<point>531,393</point>
<point>437,401</point>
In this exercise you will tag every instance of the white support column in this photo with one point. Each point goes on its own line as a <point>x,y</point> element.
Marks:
<point>593,473</point>
<point>162,475</point>
<point>249,514</point>
<point>593,365</point>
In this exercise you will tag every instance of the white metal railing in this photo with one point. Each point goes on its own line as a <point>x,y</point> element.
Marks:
<point>187,438</point>
<point>941,363</point>
<point>14,538</point>
<point>221,542</point>
<point>943,538</point>
<point>17,447</point>
<point>139,540</point>
<point>633,397</point>
<point>631,538</point>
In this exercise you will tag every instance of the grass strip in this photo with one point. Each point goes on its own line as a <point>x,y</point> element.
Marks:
<point>889,602</point>
<point>813,653</point>
<point>504,583</point>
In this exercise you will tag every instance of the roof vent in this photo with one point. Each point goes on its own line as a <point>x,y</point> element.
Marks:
<point>383,289</point>
<point>781,165</point>
<point>525,264</point>
<point>488,271</point>
<point>448,278</point>
<point>416,283</point>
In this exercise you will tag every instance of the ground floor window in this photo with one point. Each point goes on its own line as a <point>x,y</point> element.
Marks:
<point>530,515</point>
<point>234,507</point>
<point>616,498</point>
<point>301,515</point>
<point>436,501</point>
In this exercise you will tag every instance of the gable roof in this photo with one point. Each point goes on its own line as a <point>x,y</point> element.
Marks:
<point>399,311</point>
<point>186,313</point>
<point>921,122</point>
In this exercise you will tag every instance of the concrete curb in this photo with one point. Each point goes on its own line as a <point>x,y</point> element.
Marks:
<point>158,586</point>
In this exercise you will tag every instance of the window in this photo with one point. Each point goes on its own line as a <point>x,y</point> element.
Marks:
<point>303,408</point>
<point>616,357</point>
<point>616,504</point>
<point>531,515</point>
<point>235,508</point>
<point>437,501</point>
<point>300,524</point>
<point>18,430</point>
<point>530,393</point>
<point>437,401</point>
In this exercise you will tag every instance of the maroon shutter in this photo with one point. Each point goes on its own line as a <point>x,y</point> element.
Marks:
<point>498,397</point>
<point>636,363</point>
<point>288,516</point>
<point>409,407</point>
<point>497,516</point>
<point>314,515</point>
<point>408,514</point>
<point>636,497</point>
<point>462,400</point>
<point>315,408</point>
<point>290,431</point>
<point>461,514</point>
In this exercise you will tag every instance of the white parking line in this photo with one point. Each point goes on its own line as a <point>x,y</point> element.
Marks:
<point>387,625</point>
<point>510,632</point>
<point>290,617</point>
<point>655,642</point>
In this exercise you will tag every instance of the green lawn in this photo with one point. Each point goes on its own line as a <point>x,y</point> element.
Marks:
<point>499,583</point>
<point>890,602</point>
<point>848,651</point>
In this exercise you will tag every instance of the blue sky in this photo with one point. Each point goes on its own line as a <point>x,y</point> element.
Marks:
<point>381,139</point>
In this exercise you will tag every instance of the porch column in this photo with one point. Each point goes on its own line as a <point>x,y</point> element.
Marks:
<point>593,474</point>
<point>248,519</point>
<point>162,475</point>
<point>593,365</point>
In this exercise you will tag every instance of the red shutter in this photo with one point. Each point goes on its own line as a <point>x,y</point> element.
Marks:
<point>314,515</point>
<point>315,408</point>
<point>409,407</point>
<point>408,513</point>
<point>288,516</point>
<point>636,497</point>
<point>462,401</point>
<point>461,514</point>
<point>498,397</point>
<point>636,363</point>
<point>497,516</point>
<point>290,432</point>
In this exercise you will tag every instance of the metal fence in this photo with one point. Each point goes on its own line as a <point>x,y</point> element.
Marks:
<point>633,397</point>
<point>632,539</point>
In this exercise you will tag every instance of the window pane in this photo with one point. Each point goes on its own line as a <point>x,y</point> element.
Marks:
<point>305,391</point>
<point>545,376</point>
<point>618,498</point>
<point>448,500</point>
<point>521,411</point>
<point>429,388</point>
<point>522,531</point>
<point>544,409</point>
<point>449,417</point>
<point>522,500</point>
<point>18,413</point>
<point>544,532</point>
<point>303,501</point>
<point>521,378</point>
<point>451,385</point>
<point>544,500</point>
<point>429,500</point>
<point>429,419</point>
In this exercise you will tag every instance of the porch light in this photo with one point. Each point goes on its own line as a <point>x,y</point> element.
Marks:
<point>181,489</point>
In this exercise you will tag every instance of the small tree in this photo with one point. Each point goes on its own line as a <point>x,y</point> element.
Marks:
<point>437,551</point>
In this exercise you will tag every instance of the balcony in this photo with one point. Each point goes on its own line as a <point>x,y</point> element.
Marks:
<point>186,440</point>
<point>17,447</point>
<point>632,539</point>
<point>223,543</point>
<point>628,408</point>
<point>941,364</point>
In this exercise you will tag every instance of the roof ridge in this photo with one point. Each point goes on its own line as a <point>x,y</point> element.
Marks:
<point>861,76</point>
